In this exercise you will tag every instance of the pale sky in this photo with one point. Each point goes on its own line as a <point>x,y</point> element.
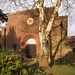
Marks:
<point>71,21</point>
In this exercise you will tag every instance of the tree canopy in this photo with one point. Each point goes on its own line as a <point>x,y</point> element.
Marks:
<point>3,17</point>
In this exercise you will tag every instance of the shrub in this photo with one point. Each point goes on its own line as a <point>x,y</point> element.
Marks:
<point>10,64</point>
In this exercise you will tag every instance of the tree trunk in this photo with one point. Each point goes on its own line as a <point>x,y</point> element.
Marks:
<point>43,35</point>
<point>54,15</point>
<point>43,53</point>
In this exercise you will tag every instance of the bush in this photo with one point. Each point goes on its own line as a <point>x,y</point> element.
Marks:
<point>10,64</point>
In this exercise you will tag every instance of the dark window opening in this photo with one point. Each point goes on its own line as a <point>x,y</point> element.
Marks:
<point>73,50</point>
<point>5,30</point>
<point>4,42</point>
<point>5,37</point>
<point>14,46</point>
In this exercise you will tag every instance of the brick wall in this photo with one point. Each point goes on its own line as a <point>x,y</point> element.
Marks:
<point>19,31</point>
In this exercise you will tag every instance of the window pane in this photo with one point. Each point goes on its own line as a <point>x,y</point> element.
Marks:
<point>31,41</point>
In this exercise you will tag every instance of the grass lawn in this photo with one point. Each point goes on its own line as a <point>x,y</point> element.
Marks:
<point>64,70</point>
<point>58,69</point>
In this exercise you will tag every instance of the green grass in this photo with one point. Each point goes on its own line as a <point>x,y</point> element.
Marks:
<point>65,66</point>
<point>61,65</point>
<point>64,69</point>
<point>63,72</point>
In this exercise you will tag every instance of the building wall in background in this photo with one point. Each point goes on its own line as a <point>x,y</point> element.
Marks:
<point>24,25</point>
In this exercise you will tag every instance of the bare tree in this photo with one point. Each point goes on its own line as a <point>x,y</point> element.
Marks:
<point>44,34</point>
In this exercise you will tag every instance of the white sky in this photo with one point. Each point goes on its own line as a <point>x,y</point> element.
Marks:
<point>71,21</point>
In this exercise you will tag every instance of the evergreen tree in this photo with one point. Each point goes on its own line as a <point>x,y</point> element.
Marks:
<point>3,17</point>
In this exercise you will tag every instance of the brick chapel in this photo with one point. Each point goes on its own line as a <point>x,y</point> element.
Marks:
<point>21,33</point>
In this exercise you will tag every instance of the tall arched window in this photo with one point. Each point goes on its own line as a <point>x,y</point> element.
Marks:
<point>5,37</point>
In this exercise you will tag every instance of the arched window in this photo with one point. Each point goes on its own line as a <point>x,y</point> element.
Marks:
<point>5,37</point>
<point>31,41</point>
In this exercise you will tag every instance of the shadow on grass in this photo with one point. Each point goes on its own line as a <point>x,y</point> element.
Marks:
<point>34,69</point>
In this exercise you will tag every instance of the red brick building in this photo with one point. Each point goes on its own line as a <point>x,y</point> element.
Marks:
<point>23,26</point>
<point>71,42</point>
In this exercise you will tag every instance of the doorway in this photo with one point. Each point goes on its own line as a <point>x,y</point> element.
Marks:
<point>31,48</point>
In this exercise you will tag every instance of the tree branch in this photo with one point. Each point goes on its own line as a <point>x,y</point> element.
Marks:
<point>58,4</point>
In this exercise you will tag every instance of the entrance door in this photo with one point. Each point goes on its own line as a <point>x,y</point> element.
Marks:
<point>31,51</point>
<point>31,48</point>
